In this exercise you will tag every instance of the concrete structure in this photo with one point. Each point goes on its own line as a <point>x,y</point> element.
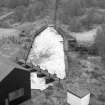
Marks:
<point>77,96</point>
<point>39,82</point>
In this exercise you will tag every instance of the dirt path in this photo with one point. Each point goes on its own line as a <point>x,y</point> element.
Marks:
<point>7,14</point>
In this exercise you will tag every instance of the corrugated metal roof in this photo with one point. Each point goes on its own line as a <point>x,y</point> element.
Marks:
<point>7,66</point>
<point>79,92</point>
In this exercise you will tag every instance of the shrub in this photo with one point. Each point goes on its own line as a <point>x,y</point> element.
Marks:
<point>15,3</point>
<point>71,9</point>
<point>20,12</point>
<point>35,10</point>
<point>75,25</point>
<point>102,97</point>
<point>93,17</point>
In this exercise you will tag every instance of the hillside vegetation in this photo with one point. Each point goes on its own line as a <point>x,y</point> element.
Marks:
<point>74,16</point>
<point>81,12</point>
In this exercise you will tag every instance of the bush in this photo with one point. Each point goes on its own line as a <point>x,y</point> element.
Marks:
<point>35,10</point>
<point>71,9</point>
<point>93,17</point>
<point>95,3</point>
<point>75,25</point>
<point>102,97</point>
<point>19,14</point>
<point>15,3</point>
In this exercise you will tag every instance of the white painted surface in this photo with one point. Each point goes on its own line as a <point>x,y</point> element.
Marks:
<point>48,52</point>
<point>87,37</point>
<point>38,83</point>
<point>74,100</point>
<point>85,100</point>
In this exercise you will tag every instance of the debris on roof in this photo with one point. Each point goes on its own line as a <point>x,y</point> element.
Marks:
<point>6,66</point>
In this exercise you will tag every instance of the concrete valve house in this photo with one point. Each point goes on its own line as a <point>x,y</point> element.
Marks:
<point>76,96</point>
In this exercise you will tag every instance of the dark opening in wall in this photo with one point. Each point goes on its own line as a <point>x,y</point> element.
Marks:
<point>20,63</point>
<point>27,66</point>
<point>40,75</point>
<point>49,80</point>
<point>71,44</point>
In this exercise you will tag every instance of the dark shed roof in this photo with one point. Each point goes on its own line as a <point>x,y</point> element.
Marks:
<point>6,66</point>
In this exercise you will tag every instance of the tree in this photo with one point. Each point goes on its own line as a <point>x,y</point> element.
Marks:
<point>95,3</point>
<point>37,9</point>
<point>2,3</point>
<point>100,42</point>
<point>59,86</point>
<point>48,93</point>
<point>75,25</point>
<point>15,3</point>
<point>20,12</point>
<point>71,9</point>
<point>89,3</point>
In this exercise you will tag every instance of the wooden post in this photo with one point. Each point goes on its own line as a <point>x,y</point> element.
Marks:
<point>6,101</point>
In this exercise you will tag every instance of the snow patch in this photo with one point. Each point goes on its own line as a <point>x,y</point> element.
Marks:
<point>87,37</point>
<point>47,52</point>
